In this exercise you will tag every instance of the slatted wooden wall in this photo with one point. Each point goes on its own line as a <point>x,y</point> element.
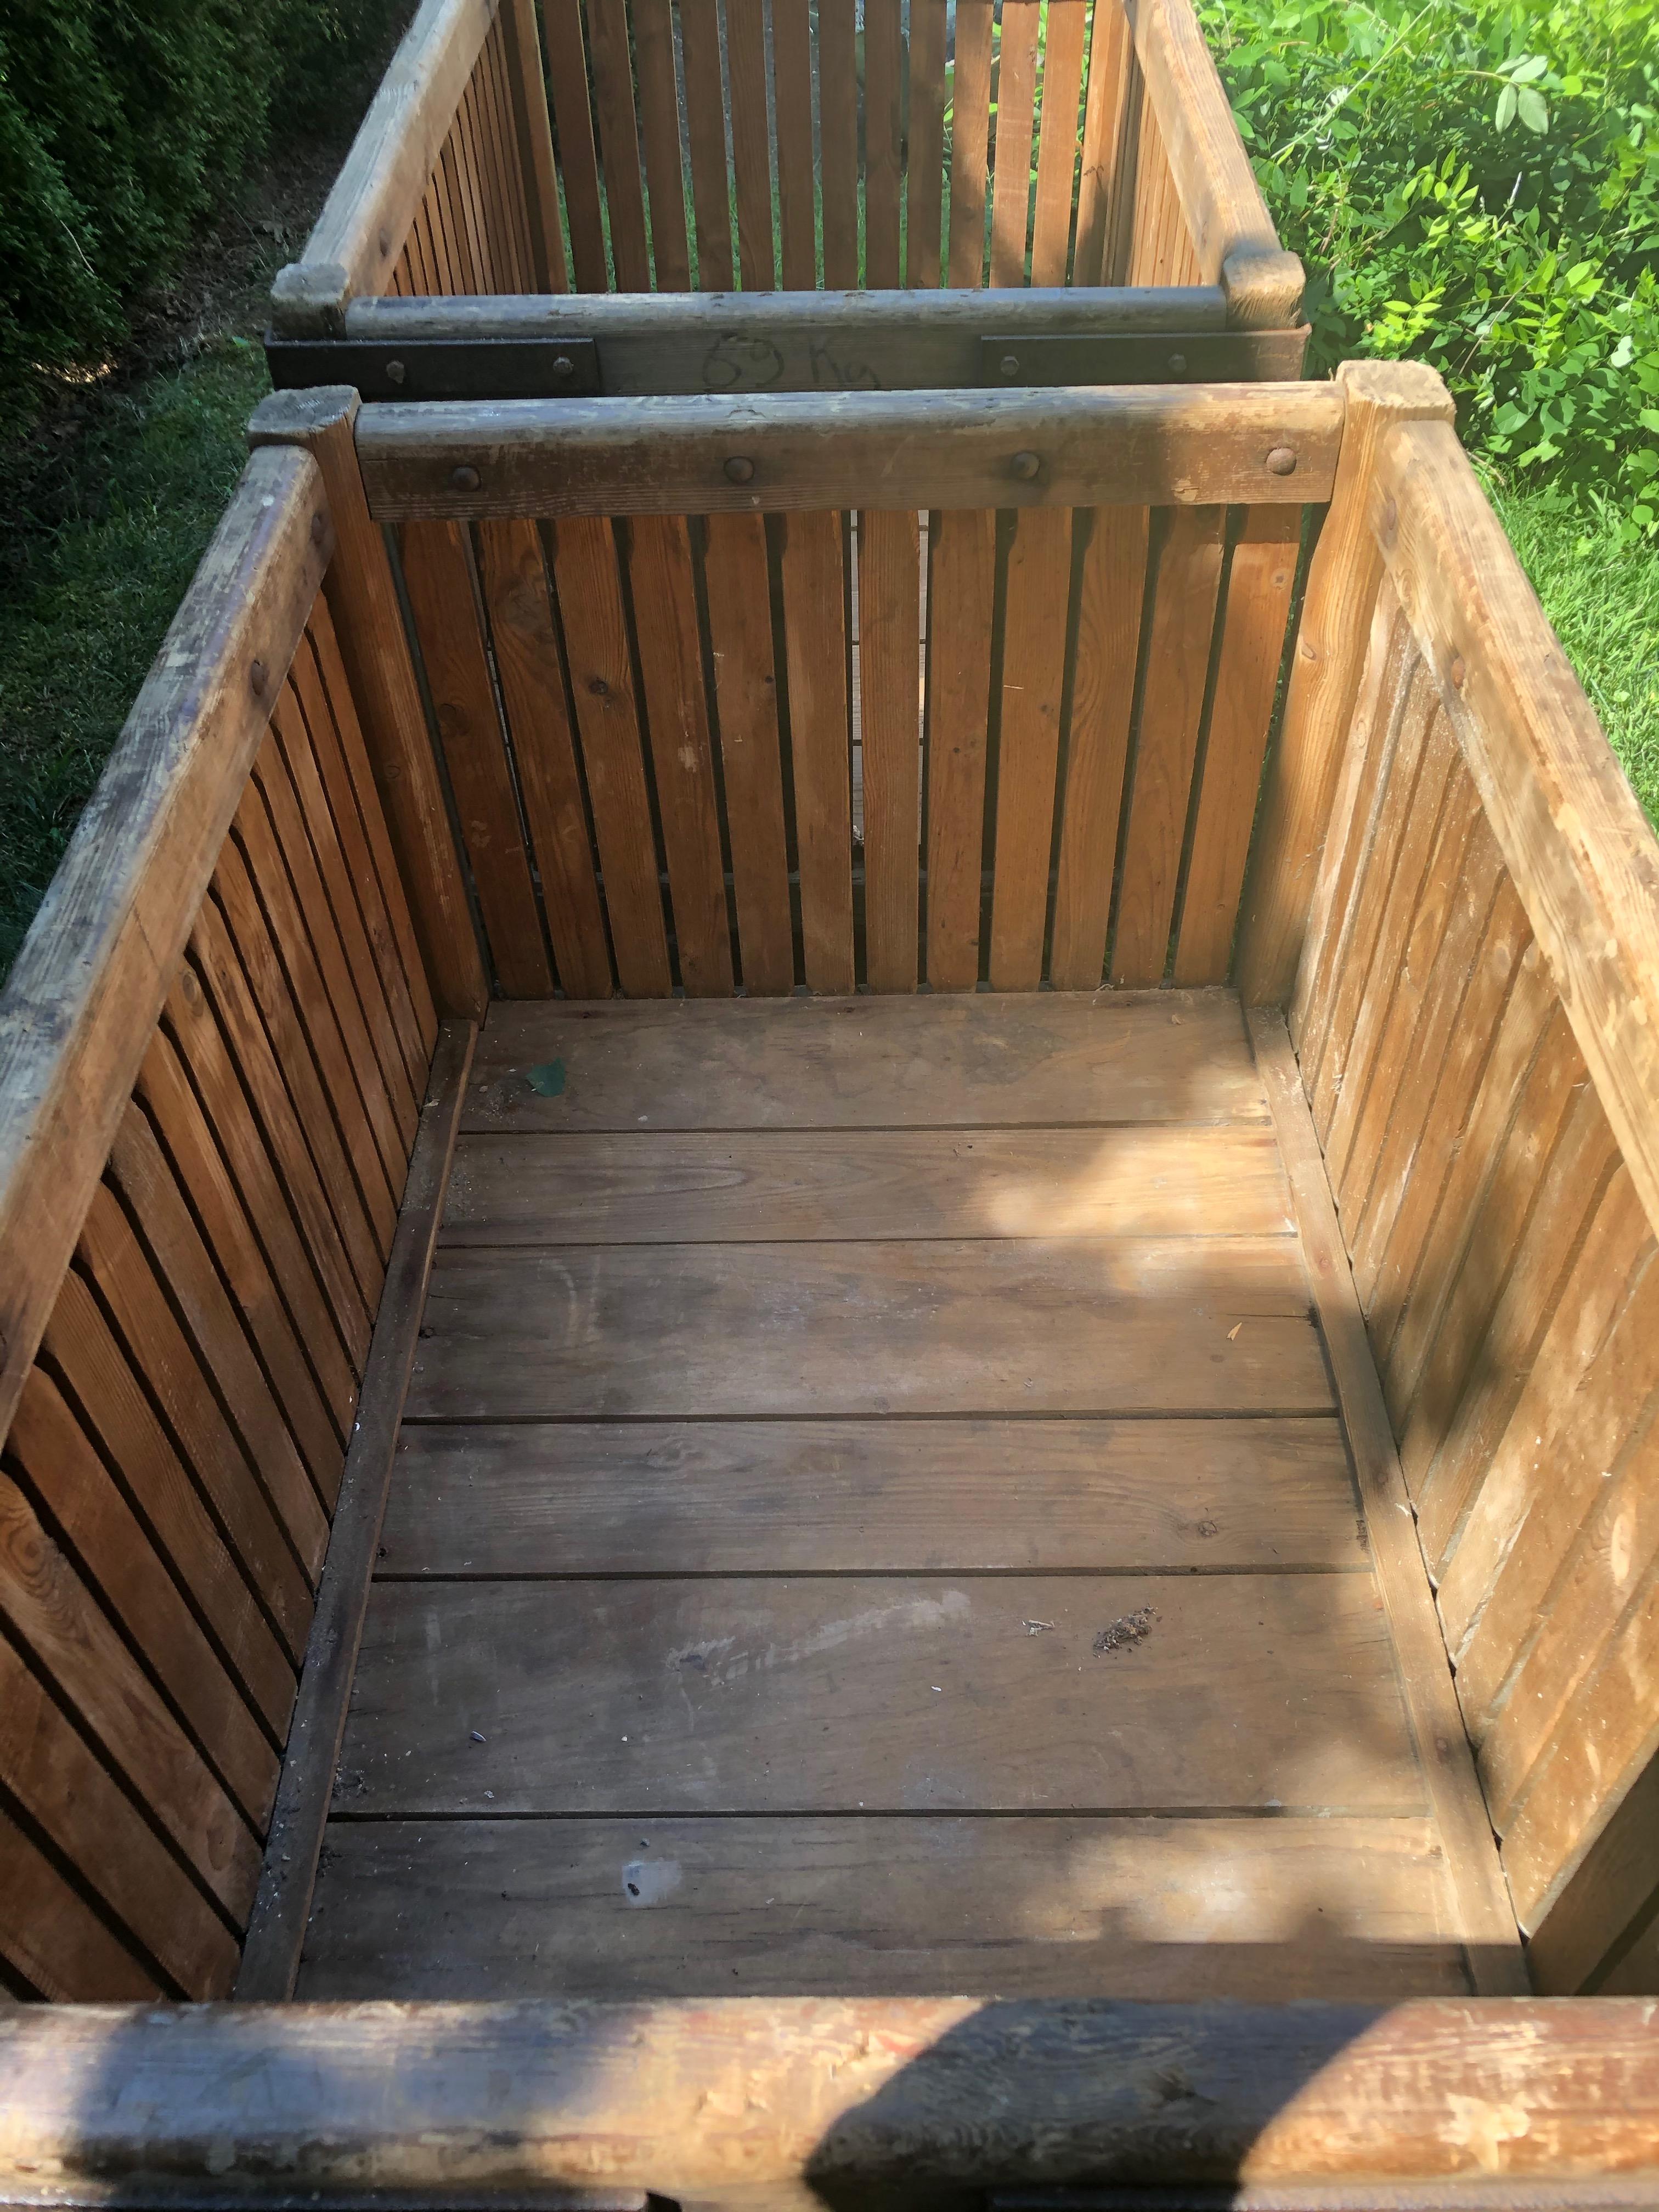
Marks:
<point>172,1463</point>
<point>1506,1266</point>
<point>837,749</point>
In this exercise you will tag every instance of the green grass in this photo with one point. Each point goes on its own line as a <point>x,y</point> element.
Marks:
<point>91,600</point>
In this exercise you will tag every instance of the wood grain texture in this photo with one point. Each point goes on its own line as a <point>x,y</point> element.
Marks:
<point>961,604</point>
<point>838,142</point>
<point>659,119</point>
<point>1058,146</point>
<point>527,88</point>
<point>820,742</point>
<point>1016,96</point>
<point>1110,59</point>
<point>619,143</point>
<point>970,127</point>
<point>884,142</point>
<point>791,96</point>
<point>924,204</point>
<point>1037,604</point>
<point>705,119</point>
<point>751,149</point>
<point>579,159</point>
<point>1008,1060</point>
<point>739,589</point>
<point>52,1942</point>
<point>889,674</point>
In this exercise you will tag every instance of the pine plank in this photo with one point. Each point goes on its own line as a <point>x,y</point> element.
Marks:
<point>1083,1326</point>
<point>619,143</point>
<point>739,591</point>
<point>1151,1909</point>
<point>659,119</point>
<point>1011,1059</point>
<point>579,160</point>
<point>751,149</point>
<point>970,129</point>
<point>1010,199</point>
<point>961,602</point>
<point>820,738</point>
<point>890,675</point>
<point>925,146</point>
<point>884,142</point>
<point>1104,115</point>
<point>52,1938</point>
<point>1028,753</point>
<point>838,131</point>
<point>792,81</point>
<point>778,1185</point>
<point>1057,145</point>
<point>879,1694</point>
<point>919,1496</point>
<point>705,119</point>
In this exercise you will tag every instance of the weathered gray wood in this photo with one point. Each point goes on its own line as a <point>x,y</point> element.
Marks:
<point>1136,445</point>
<point>88,984</point>
<point>276,1925</point>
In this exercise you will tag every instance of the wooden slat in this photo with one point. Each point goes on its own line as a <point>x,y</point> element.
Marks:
<point>883,142</point>
<point>1011,205</point>
<point>851,1497</point>
<point>514,157</point>
<point>924,205</point>
<point>705,119</point>
<point>1259,579</point>
<point>118,1414</point>
<point>815,644</point>
<point>619,143</point>
<point>918,1695</point>
<point>513,578</point>
<point>1076,1327</point>
<point>961,602</point>
<point>438,571</point>
<point>137,1307</point>
<point>497,264</point>
<point>579,160</point>
<point>838,129</point>
<point>1186,578</point>
<point>48,1608</point>
<point>669,643</point>
<point>647,1189</point>
<point>940,1062</point>
<point>526,87</point>
<point>889,675</point>
<point>602,686</point>
<point>56,1779</point>
<point>1155,1908</point>
<point>752,152</point>
<point>467,245</point>
<point>739,590</point>
<point>1104,111</point>
<point>1033,675</point>
<point>1114,580</point>
<point>1057,148</point>
<point>791,79</point>
<point>659,118</point>
<point>50,1935</point>
<point>971,124</point>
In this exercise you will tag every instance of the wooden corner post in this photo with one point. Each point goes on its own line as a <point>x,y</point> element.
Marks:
<point>1325,675</point>
<point>363,601</point>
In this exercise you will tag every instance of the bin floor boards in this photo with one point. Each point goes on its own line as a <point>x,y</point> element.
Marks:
<point>872,1516</point>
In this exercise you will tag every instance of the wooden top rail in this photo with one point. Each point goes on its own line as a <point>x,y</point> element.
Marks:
<point>1146,445</point>
<point>1573,835</point>
<point>357,237</point>
<point>919,2102</point>
<point>1232,233</point>
<point>85,994</point>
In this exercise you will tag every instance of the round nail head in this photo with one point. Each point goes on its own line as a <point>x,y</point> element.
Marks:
<point>1281,462</point>
<point>1177,364</point>
<point>563,367</point>
<point>465,478</point>
<point>1009,365</point>
<point>1027,467</point>
<point>739,469</point>
<point>395,372</point>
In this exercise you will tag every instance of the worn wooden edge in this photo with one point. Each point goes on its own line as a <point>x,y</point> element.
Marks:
<point>277,1926</point>
<point>1579,849</point>
<point>88,986</point>
<point>872,2102</point>
<point>1486,1921</point>
<point>355,243</point>
<point>1137,444</point>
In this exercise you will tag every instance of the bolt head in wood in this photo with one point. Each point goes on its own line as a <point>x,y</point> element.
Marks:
<point>563,367</point>
<point>395,372</point>
<point>739,469</point>
<point>258,678</point>
<point>1281,462</point>
<point>1027,467</point>
<point>1008,366</point>
<point>1177,364</point>
<point>465,478</point>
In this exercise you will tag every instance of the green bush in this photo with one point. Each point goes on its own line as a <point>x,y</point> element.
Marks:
<point>1475,183</point>
<point>123,124</point>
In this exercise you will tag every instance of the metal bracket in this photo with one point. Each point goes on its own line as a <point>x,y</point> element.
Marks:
<point>1145,357</point>
<point>439,368</point>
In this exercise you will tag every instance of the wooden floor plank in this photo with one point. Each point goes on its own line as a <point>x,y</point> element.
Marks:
<point>879,1694</point>
<point>1271,1910</point>
<point>693,1187</point>
<point>851,1063</point>
<point>850,1497</point>
<point>1194,1325</point>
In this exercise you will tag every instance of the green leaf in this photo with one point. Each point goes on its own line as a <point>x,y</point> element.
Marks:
<point>1529,69</point>
<point>1507,99</point>
<point>1534,110</point>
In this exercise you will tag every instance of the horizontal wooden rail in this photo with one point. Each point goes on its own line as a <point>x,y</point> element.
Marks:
<point>1141,444</point>
<point>918,2102</point>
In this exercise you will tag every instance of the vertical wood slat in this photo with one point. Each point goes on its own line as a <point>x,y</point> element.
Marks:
<point>890,671</point>
<point>792,79</point>
<point>1104,114</point>
<point>961,601</point>
<point>705,117</point>
<point>1033,678</point>
<point>602,684</point>
<point>515,583</point>
<point>660,118</point>
<point>1010,203</point>
<point>531,132</point>
<point>1188,577</point>
<point>1260,581</point>
<point>751,149</point>
<point>1057,146</point>
<point>578,158</point>
<point>815,639</point>
<point>746,688</point>
<point>500,235</point>
<point>838,131</point>
<point>619,143</point>
<point>512,183</point>
<point>1113,582</point>
<point>884,142</point>
<point>464,193</point>
<point>925,146</point>
<point>970,126</point>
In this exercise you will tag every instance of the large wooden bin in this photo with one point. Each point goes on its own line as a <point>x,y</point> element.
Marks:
<point>1044,191</point>
<point>1335,1085</point>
